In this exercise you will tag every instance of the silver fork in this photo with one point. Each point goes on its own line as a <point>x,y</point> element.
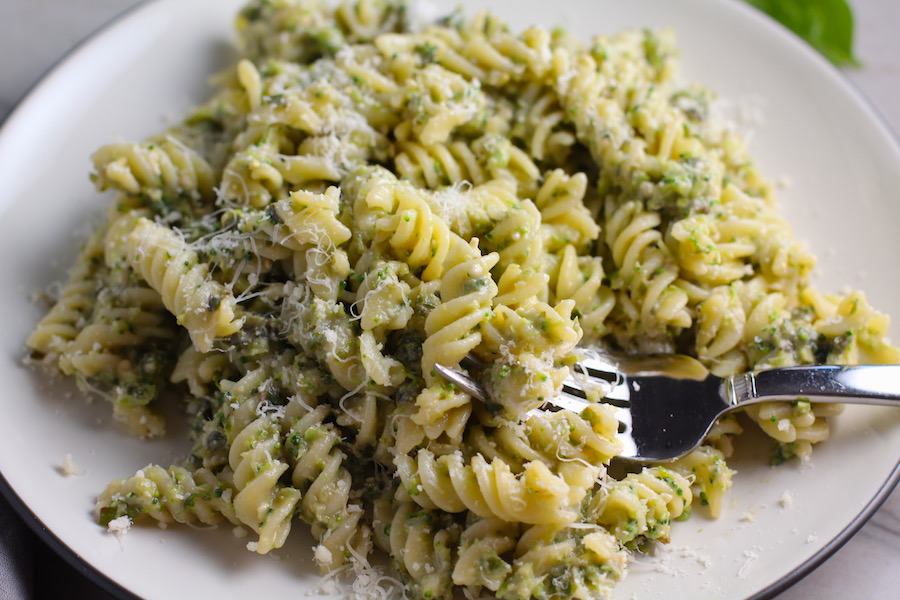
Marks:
<point>666,406</point>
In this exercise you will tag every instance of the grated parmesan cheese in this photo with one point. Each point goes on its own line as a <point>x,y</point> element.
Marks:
<point>120,527</point>
<point>751,557</point>
<point>322,555</point>
<point>70,469</point>
<point>786,499</point>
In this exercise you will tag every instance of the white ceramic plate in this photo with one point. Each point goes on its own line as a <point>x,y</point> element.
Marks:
<point>149,67</point>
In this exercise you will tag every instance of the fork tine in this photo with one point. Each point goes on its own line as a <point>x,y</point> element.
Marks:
<point>574,391</point>
<point>594,365</point>
<point>573,397</point>
<point>563,402</point>
<point>597,369</point>
<point>462,381</point>
<point>619,396</point>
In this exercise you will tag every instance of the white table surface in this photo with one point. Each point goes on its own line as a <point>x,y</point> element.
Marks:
<point>34,34</point>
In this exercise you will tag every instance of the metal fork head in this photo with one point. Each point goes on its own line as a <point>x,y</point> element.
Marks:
<point>665,405</point>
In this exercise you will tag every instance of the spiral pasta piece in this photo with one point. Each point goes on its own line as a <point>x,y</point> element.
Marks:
<point>451,332</point>
<point>554,438</point>
<point>202,305</point>
<point>112,335</point>
<point>440,102</point>
<point>199,371</point>
<point>555,560</point>
<point>649,301</point>
<point>160,171</point>
<point>580,279</point>
<point>68,315</point>
<point>421,542</point>
<point>311,219</point>
<point>411,231</point>
<point>439,165</point>
<point>720,324</point>
<point>472,211</point>
<point>286,30</point>
<point>542,125</point>
<point>564,218</point>
<point>386,307</point>
<point>482,546</point>
<point>168,495</point>
<point>489,490</point>
<point>261,502</point>
<point>795,426</point>
<point>365,20</point>
<point>642,505</point>
<point>157,170</point>
<point>711,476</point>
<point>516,238</point>
<point>325,484</point>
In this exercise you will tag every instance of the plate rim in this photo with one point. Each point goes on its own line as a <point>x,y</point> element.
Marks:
<point>785,582</point>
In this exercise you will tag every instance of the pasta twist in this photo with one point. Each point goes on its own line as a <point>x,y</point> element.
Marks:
<point>261,501</point>
<point>68,315</point>
<point>201,304</point>
<point>160,170</point>
<point>308,138</point>
<point>365,20</point>
<point>517,240</point>
<point>711,477</point>
<point>536,328</point>
<point>642,505</point>
<point>564,218</point>
<point>480,562</point>
<point>422,544</point>
<point>703,257</point>
<point>796,425</point>
<point>256,176</point>
<point>168,495</point>
<point>552,561</point>
<point>554,438</point>
<point>473,211</point>
<point>439,165</point>
<point>490,490</point>
<point>480,48</point>
<point>720,324</point>
<point>323,328</point>
<point>287,30</point>
<point>311,220</point>
<point>410,229</point>
<point>857,331</point>
<point>452,331</point>
<point>440,102</point>
<point>385,307</point>
<point>199,370</point>
<point>649,300</point>
<point>130,318</point>
<point>325,483</point>
<point>113,336</point>
<point>122,352</point>
<point>580,279</point>
<point>542,125</point>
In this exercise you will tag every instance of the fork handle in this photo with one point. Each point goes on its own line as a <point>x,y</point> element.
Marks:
<point>858,384</point>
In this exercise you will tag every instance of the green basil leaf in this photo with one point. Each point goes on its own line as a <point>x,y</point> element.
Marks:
<point>827,25</point>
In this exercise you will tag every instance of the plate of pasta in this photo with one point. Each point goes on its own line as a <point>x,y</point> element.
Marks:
<point>256,226</point>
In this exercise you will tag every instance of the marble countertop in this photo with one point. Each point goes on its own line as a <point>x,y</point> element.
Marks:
<point>34,34</point>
